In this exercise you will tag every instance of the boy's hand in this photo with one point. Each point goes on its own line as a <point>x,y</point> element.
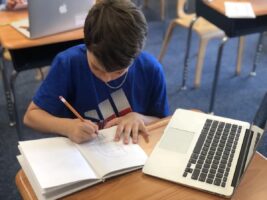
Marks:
<point>79,131</point>
<point>130,124</point>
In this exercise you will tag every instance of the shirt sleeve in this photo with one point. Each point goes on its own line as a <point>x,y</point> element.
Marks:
<point>159,105</point>
<point>57,83</point>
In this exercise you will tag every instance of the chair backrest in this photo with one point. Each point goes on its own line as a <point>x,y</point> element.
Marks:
<point>261,114</point>
<point>181,8</point>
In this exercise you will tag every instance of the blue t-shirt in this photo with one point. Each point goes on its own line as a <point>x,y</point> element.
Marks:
<point>144,90</point>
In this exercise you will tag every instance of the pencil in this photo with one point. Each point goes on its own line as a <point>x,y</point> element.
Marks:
<point>71,108</point>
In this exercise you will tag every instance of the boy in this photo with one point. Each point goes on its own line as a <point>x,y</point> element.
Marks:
<point>108,79</point>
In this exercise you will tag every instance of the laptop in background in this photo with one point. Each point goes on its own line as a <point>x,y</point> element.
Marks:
<point>53,16</point>
<point>204,151</point>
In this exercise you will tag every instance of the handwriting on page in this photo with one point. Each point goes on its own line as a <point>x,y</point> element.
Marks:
<point>105,145</point>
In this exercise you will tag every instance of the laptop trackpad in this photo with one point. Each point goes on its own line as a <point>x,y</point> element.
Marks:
<point>176,140</point>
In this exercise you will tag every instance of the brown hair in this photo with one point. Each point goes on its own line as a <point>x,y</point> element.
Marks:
<point>115,32</point>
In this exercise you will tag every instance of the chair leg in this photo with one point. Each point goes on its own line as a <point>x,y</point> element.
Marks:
<point>257,55</point>
<point>200,60</point>
<point>166,40</point>
<point>162,9</point>
<point>16,115</point>
<point>187,52</point>
<point>239,55</point>
<point>7,92</point>
<point>216,75</point>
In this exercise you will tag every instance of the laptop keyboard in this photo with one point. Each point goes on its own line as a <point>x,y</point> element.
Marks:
<point>213,154</point>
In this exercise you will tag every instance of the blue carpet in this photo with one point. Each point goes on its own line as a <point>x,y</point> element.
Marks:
<point>238,96</point>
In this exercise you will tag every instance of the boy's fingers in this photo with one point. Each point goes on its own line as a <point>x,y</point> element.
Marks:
<point>126,135</point>
<point>118,133</point>
<point>135,134</point>
<point>92,125</point>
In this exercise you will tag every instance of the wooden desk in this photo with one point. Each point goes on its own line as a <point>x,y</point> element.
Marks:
<point>214,12</point>
<point>136,185</point>
<point>257,5</point>
<point>6,17</point>
<point>28,53</point>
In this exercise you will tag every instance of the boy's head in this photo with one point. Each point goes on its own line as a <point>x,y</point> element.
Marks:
<point>115,32</point>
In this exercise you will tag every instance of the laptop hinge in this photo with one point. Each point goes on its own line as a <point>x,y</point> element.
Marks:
<point>241,162</point>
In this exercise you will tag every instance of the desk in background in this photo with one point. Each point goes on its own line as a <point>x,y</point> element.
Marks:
<point>136,185</point>
<point>214,12</point>
<point>6,17</point>
<point>28,54</point>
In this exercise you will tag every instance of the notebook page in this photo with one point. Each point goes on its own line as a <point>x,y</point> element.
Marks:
<point>55,161</point>
<point>107,156</point>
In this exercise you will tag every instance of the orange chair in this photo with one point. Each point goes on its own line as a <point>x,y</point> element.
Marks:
<point>205,30</point>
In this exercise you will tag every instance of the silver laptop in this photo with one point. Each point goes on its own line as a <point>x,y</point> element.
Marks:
<point>47,17</point>
<point>204,151</point>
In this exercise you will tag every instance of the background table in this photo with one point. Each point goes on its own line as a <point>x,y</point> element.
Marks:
<point>214,12</point>
<point>28,54</point>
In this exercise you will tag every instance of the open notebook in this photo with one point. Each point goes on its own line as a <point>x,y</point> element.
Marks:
<point>56,166</point>
<point>50,17</point>
<point>204,151</point>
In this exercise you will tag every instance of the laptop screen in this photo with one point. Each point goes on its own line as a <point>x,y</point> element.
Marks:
<point>262,145</point>
<point>53,16</point>
<point>256,142</point>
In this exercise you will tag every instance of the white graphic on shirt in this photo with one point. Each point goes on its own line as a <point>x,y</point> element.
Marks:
<point>92,114</point>
<point>121,102</point>
<point>107,111</point>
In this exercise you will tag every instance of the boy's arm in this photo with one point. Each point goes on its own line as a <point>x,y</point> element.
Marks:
<point>74,129</point>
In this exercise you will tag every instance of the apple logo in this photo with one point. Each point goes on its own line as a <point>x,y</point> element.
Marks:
<point>63,9</point>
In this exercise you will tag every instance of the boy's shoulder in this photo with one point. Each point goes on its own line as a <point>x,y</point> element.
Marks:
<point>72,52</point>
<point>147,57</point>
<point>147,61</point>
<point>71,58</point>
